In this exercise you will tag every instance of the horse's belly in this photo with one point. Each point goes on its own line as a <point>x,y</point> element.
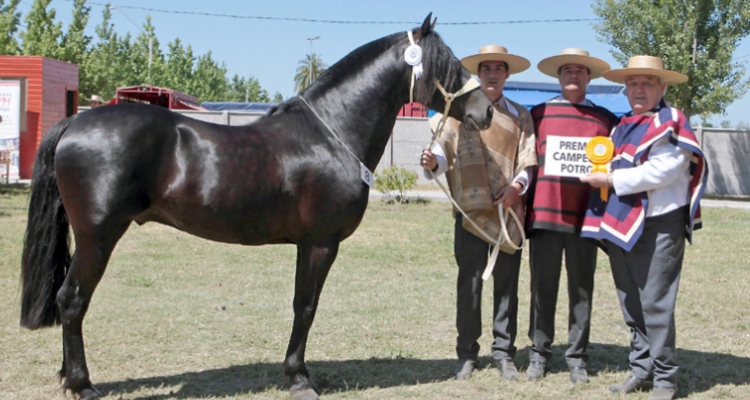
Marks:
<point>247,227</point>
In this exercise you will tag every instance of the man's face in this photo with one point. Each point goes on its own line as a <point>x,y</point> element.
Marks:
<point>95,104</point>
<point>644,92</point>
<point>492,75</point>
<point>574,77</point>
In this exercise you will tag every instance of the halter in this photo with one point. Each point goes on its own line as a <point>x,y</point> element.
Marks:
<point>413,57</point>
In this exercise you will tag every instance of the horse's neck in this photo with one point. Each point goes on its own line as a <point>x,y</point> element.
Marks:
<point>364,115</point>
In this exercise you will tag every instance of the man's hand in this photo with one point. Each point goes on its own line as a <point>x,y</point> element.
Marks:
<point>428,160</point>
<point>509,195</point>
<point>597,179</point>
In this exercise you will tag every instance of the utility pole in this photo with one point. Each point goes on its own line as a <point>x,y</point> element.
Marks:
<point>150,40</point>
<point>310,69</point>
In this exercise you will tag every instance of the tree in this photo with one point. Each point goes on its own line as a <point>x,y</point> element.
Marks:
<point>695,37</point>
<point>249,90</point>
<point>209,81</point>
<point>108,65</point>
<point>42,36</point>
<point>277,98</point>
<point>147,57</point>
<point>308,70</point>
<point>9,21</point>
<point>180,62</point>
<point>74,46</point>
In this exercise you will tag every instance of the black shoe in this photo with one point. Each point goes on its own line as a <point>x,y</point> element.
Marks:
<point>507,369</point>
<point>536,370</point>
<point>632,384</point>
<point>465,368</point>
<point>662,393</point>
<point>579,375</point>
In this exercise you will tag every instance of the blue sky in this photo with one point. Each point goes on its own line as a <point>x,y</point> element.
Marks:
<point>270,49</point>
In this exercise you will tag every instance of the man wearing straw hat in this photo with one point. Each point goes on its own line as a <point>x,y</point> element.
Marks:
<point>557,206</point>
<point>657,178</point>
<point>96,101</point>
<point>485,169</point>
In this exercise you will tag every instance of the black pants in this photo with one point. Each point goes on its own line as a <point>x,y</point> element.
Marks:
<point>545,253</point>
<point>471,257</point>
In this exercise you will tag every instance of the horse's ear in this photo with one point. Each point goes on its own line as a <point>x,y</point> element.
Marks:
<point>434,22</point>
<point>426,27</point>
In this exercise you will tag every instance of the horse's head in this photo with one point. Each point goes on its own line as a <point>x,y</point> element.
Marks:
<point>440,65</point>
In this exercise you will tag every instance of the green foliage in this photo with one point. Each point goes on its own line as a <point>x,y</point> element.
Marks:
<point>247,90</point>
<point>695,37</point>
<point>394,182</point>
<point>109,61</point>
<point>9,21</point>
<point>308,69</point>
<point>42,36</point>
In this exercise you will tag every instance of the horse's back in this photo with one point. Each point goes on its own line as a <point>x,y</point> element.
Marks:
<point>253,184</point>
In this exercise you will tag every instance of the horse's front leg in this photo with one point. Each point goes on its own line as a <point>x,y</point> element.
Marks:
<point>313,263</point>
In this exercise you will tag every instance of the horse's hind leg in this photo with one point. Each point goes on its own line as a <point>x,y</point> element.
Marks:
<point>313,264</point>
<point>86,270</point>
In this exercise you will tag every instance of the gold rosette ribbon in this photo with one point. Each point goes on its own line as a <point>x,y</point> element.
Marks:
<point>600,151</point>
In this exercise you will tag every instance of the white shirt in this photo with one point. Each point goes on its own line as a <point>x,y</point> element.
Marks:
<point>665,176</point>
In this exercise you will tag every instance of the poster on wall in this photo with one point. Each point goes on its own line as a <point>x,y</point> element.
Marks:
<point>10,128</point>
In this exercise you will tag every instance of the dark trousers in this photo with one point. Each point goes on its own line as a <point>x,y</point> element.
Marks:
<point>545,253</point>
<point>471,257</point>
<point>647,278</point>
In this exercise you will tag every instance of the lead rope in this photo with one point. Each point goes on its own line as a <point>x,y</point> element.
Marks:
<point>413,57</point>
<point>504,236</point>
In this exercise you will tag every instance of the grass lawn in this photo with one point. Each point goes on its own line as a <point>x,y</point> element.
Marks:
<point>178,317</point>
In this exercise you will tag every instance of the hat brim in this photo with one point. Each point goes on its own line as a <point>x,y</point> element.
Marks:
<point>670,77</point>
<point>550,65</point>
<point>515,63</point>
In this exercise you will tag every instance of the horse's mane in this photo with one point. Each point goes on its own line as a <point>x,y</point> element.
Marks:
<point>439,63</point>
<point>437,59</point>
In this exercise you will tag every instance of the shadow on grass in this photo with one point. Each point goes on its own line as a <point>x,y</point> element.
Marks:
<point>330,376</point>
<point>699,372</point>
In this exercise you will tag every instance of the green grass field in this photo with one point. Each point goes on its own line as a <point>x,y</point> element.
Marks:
<point>178,317</point>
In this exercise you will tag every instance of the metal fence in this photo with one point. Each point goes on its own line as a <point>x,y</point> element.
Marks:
<point>726,150</point>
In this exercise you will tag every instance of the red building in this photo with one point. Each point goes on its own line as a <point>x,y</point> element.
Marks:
<point>163,97</point>
<point>416,110</point>
<point>50,88</point>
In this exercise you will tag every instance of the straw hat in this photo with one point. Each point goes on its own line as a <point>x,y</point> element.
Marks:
<point>550,65</point>
<point>98,98</point>
<point>494,52</point>
<point>645,65</point>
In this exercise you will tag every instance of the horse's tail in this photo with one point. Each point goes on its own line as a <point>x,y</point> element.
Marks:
<point>46,246</point>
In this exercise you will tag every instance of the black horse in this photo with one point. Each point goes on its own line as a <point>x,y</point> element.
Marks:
<point>292,176</point>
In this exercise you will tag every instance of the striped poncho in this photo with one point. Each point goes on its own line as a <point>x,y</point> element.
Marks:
<point>559,203</point>
<point>621,219</point>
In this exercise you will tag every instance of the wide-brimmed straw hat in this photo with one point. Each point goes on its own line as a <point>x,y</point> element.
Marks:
<point>551,65</point>
<point>494,52</point>
<point>98,98</point>
<point>645,65</point>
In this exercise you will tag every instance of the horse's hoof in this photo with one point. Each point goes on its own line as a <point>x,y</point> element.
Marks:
<point>90,394</point>
<point>304,394</point>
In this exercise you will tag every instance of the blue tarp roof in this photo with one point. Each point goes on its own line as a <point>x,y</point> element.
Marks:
<point>237,106</point>
<point>529,94</point>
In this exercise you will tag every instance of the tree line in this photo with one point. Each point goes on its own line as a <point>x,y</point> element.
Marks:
<point>696,37</point>
<point>113,60</point>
